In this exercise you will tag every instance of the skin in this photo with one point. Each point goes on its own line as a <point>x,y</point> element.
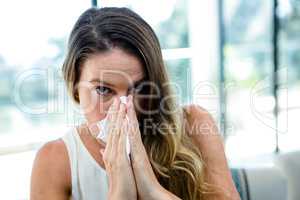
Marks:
<point>52,179</point>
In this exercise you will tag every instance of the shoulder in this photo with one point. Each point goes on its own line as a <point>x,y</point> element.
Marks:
<point>53,158</point>
<point>199,120</point>
<point>204,132</point>
<point>52,148</point>
<point>51,168</point>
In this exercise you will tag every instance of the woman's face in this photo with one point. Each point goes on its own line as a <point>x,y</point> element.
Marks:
<point>105,76</point>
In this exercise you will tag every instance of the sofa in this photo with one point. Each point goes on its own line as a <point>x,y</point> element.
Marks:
<point>262,183</point>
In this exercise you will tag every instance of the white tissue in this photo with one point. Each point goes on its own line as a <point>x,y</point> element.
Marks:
<point>123,99</point>
<point>103,129</point>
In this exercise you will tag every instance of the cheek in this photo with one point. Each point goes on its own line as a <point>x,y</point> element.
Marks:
<point>90,104</point>
<point>88,99</point>
<point>98,113</point>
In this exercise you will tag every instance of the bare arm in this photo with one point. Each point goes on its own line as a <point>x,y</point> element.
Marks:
<point>204,132</point>
<point>50,178</point>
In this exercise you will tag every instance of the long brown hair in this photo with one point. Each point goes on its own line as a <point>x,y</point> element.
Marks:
<point>175,159</point>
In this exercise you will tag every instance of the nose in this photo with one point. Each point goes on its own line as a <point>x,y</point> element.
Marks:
<point>122,94</point>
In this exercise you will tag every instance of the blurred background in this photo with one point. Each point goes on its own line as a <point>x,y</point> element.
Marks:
<point>239,59</point>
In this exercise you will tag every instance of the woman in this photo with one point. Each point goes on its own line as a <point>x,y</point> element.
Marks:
<point>113,52</point>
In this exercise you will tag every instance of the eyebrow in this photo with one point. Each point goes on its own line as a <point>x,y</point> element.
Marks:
<point>135,84</point>
<point>97,80</point>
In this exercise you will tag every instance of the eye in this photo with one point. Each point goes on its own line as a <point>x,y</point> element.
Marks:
<point>101,90</point>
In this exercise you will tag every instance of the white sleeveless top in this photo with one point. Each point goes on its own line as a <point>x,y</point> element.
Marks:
<point>89,179</point>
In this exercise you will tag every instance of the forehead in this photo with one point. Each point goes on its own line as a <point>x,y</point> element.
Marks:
<point>115,65</point>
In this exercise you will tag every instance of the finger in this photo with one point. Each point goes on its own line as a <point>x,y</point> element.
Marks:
<point>111,115</point>
<point>119,119</point>
<point>117,127</point>
<point>110,124</point>
<point>110,119</point>
<point>121,113</point>
<point>134,125</point>
<point>113,110</point>
<point>122,140</point>
<point>135,141</point>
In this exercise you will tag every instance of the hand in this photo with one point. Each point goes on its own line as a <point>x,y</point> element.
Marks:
<point>120,175</point>
<point>148,186</point>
